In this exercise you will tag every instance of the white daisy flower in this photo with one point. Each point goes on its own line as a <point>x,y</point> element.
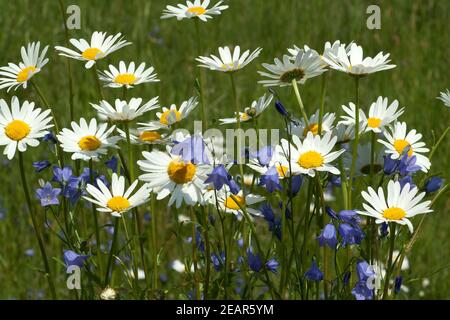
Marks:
<point>254,111</point>
<point>168,174</point>
<point>351,61</point>
<point>301,130</point>
<point>400,204</point>
<point>313,154</point>
<point>14,76</point>
<point>169,117</point>
<point>363,160</point>
<point>330,50</point>
<point>197,9</point>
<point>21,126</point>
<point>399,140</point>
<point>123,110</point>
<point>127,76</point>
<point>279,160</point>
<point>380,115</point>
<point>307,64</point>
<point>87,141</point>
<point>228,62</point>
<point>145,137</point>
<point>100,46</point>
<point>445,97</point>
<point>117,201</point>
<point>344,133</point>
<point>349,119</point>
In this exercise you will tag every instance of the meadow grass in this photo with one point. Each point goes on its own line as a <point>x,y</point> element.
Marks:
<point>414,32</point>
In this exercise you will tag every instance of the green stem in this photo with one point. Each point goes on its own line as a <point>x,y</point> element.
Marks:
<point>95,216</point>
<point>110,265</point>
<point>154,242</point>
<point>201,80</point>
<point>97,81</point>
<point>300,102</point>
<point>355,143</point>
<point>207,252</point>
<point>238,127</point>
<point>322,101</point>
<point>48,273</point>
<point>194,256</point>
<point>389,266</point>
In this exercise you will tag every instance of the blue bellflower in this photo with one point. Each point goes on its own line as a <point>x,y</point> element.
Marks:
<point>350,234</point>
<point>254,261</point>
<point>272,265</point>
<point>72,258</point>
<point>41,165</point>
<point>408,165</point>
<point>263,155</point>
<point>390,165</point>
<point>218,177</point>
<point>271,180</point>
<point>314,273</point>
<point>48,195</point>
<point>433,184</point>
<point>328,236</point>
<point>192,149</point>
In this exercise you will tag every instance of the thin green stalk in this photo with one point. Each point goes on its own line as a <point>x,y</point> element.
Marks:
<point>238,127</point>
<point>389,267</point>
<point>355,143</point>
<point>154,242</point>
<point>110,265</point>
<point>372,225</point>
<point>194,256</point>
<point>48,273</point>
<point>201,80</point>
<point>97,81</point>
<point>207,252</point>
<point>132,252</point>
<point>322,100</point>
<point>300,102</point>
<point>95,217</point>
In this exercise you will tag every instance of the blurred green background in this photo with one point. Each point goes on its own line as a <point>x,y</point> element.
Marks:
<point>414,32</point>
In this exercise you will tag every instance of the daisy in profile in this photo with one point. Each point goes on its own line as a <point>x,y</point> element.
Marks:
<point>351,61</point>
<point>123,110</point>
<point>145,137</point>
<point>301,130</point>
<point>127,76</point>
<point>234,203</point>
<point>170,116</point>
<point>168,174</point>
<point>100,46</point>
<point>349,119</point>
<point>363,160</point>
<point>278,160</point>
<point>380,115</point>
<point>307,64</point>
<point>329,50</point>
<point>197,9</point>
<point>313,154</point>
<point>21,126</point>
<point>14,76</point>
<point>445,97</point>
<point>400,141</point>
<point>228,62</point>
<point>117,201</point>
<point>87,141</point>
<point>399,205</point>
<point>344,133</point>
<point>254,111</point>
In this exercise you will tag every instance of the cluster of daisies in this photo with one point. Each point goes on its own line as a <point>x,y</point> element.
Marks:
<point>186,168</point>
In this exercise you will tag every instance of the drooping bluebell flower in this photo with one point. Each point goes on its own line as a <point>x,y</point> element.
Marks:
<point>362,292</point>
<point>328,236</point>
<point>192,149</point>
<point>281,109</point>
<point>364,270</point>
<point>147,217</point>
<point>433,184</point>
<point>350,234</point>
<point>50,138</point>
<point>72,258</point>
<point>112,163</point>
<point>41,165</point>
<point>287,211</point>
<point>331,213</point>
<point>384,230</point>
<point>218,177</point>
<point>263,155</point>
<point>406,180</point>
<point>234,187</point>
<point>346,277</point>
<point>267,212</point>
<point>275,227</point>
<point>218,260</point>
<point>335,180</point>
<point>48,195</point>
<point>314,273</point>
<point>390,165</point>
<point>297,182</point>
<point>349,216</point>
<point>398,284</point>
<point>199,241</point>
<point>271,180</point>
<point>254,261</point>
<point>272,265</point>
<point>408,165</point>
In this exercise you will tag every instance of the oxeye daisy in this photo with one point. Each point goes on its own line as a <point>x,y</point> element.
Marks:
<point>307,64</point>
<point>300,129</point>
<point>123,110</point>
<point>400,204</point>
<point>380,115</point>
<point>117,201</point>
<point>351,61</point>
<point>228,62</point>
<point>100,46</point>
<point>21,126</point>
<point>278,160</point>
<point>168,174</point>
<point>197,9</point>
<point>170,116</point>
<point>127,76</point>
<point>87,141</point>
<point>232,203</point>
<point>344,133</point>
<point>363,160</point>
<point>400,141</point>
<point>330,49</point>
<point>14,76</point>
<point>313,154</point>
<point>445,97</point>
<point>142,137</point>
<point>257,107</point>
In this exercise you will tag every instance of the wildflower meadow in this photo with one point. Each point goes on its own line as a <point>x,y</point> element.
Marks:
<point>224,150</point>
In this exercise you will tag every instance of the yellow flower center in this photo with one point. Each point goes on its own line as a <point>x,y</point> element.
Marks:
<point>89,143</point>
<point>180,172</point>
<point>118,204</point>
<point>282,170</point>
<point>310,159</point>
<point>400,146</point>
<point>373,122</point>
<point>234,204</point>
<point>25,73</point>
<point>17,130</point>
<point>125,78</point>
<point>92,54</point>
<point>170,114</point>
<point>394,213</point>
<point>313,127</point>
<point>245,117</point>
<point>149,136</point>
<point>196,10</point>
